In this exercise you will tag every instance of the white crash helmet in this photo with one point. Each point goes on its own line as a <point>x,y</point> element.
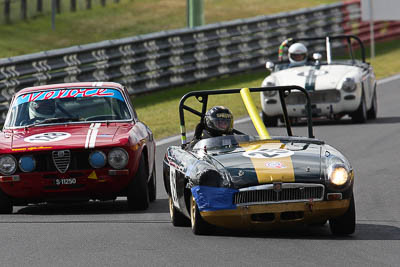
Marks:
<point>297,54</point>
<point>42,109</point>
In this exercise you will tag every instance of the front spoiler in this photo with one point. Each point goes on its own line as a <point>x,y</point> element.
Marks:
<point>276,215</point>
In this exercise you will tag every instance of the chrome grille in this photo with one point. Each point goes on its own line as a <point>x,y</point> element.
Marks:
<point>265,194</point>
<point>317,97</point>
<point>61,159</point>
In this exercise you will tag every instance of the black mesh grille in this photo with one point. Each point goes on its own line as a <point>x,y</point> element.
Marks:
<point>78,161</point>
<point>286,194</point>
<point>317,97</point>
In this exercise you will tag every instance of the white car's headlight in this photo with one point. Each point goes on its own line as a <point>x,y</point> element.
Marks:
<point>338,171</point>
<point>269,93</point>
<point>118,158</point>
<point>349,85</point>
<point>8,164</point>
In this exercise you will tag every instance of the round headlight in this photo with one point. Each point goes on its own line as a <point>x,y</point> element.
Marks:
<point>8,164</point>
<point>118,158</point>
<point>27,163</point>
<point>97,159</point>
<point>338,171</point>
<point>339,176</point>
<point>349,85</point>
<point>270,93</point>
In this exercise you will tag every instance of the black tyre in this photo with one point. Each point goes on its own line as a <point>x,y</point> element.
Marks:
<point>199,226</point>
<point>345,224</point>
<point>152,185</point>
<point>177,218</point>
<point>360,115</point>
<point>6,206</point>
<point>373,111</point>
<point>138,193</point>
<point>269,121</point>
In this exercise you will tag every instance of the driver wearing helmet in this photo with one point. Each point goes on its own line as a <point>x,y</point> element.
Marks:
<point>42,109</point>
<point>297,54</point>
<point>218,121</point>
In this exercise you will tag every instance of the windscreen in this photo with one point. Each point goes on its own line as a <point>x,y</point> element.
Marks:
<point>68,105</point>
<point>223,141</point>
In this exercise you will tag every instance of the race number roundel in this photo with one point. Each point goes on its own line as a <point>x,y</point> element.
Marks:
<point>268,153</point>
<point>47,137</point>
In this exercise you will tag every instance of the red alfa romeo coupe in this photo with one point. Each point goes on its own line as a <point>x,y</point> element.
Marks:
<point>75,142</point>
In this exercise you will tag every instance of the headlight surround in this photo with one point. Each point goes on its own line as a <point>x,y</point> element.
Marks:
<point>118,158</point>
<point>8,164</point>
<point>27,163</point>
<point>338,172</point>
<point>97,159</point>
<point>349,85</point>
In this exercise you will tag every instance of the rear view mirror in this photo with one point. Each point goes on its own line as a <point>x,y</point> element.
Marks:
<point>317,57</point>
<point>269,66</point>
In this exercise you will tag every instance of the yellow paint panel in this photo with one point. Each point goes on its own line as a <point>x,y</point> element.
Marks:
<point>241,217</point>
<point>265,174</point>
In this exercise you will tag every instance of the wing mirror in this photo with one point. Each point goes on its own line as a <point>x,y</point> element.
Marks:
<point>269,66</point>
<point>317,57</point>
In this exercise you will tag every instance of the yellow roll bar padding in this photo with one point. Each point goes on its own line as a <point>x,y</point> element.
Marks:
<point>251,109</point>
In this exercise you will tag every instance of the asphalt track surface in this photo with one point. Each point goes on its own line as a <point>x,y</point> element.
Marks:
<point>107,234</point>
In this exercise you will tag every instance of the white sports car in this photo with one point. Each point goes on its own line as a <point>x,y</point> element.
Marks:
<point>336,87</point>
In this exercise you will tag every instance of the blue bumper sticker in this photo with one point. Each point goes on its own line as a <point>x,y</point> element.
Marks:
<point>214,198</point>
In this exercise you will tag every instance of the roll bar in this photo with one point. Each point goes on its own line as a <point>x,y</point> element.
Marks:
<point>202,97</point>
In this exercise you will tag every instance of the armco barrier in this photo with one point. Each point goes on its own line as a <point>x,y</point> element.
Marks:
<point>165,59</point>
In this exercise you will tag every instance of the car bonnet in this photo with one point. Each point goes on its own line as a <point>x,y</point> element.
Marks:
<point>265,162</point>
<point>315,77</point>
<point>72,136</point>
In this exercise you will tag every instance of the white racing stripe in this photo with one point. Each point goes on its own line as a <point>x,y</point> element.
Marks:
<point>91,135</point>
<point>88,135</point>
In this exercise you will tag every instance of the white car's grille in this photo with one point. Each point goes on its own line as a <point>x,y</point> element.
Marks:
<point>61,159</point>
<point>317,97</point>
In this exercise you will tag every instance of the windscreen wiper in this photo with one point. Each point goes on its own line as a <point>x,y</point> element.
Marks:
<point>53,120</point>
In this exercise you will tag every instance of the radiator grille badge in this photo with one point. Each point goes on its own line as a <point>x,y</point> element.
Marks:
<point>61,160</point>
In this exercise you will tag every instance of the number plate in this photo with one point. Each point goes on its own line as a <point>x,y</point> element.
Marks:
<point>65,181</point>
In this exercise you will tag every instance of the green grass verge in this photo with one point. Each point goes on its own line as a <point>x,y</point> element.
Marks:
<point>160,109</point>
<point>128,18</point>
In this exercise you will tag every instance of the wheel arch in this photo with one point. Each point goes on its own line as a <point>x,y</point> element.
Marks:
<point>145,153</point>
